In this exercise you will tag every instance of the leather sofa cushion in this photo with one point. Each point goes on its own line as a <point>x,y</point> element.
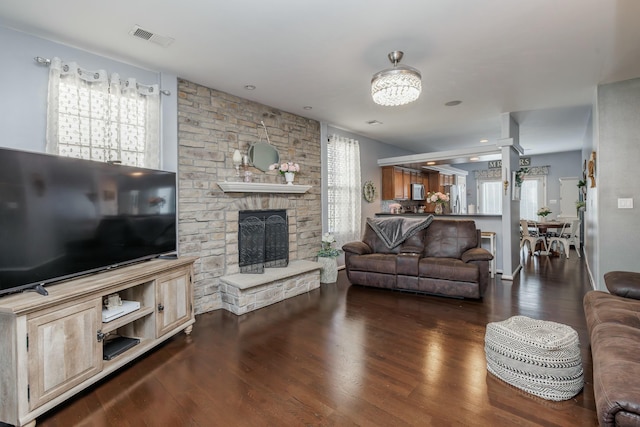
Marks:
<point>450,239</point>
<point>449,269</point>
<point>602,307</point>
<point>374,263</point>
<point>623,283</point>
<point>615,372</point>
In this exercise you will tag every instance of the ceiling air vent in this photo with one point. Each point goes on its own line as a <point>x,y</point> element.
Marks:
<point>143,34</point>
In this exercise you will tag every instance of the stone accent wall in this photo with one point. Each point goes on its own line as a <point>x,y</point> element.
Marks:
<point>211,125</point>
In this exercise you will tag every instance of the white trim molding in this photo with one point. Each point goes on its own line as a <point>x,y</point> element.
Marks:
<point>262,187</point>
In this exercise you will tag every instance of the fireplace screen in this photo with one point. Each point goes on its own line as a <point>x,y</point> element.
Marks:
<point>263,240</point>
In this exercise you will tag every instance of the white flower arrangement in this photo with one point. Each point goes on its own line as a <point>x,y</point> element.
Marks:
<point>327,250</point>
<point>544,211</point>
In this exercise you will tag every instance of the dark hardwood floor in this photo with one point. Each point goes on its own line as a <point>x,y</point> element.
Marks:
<point>344,356</point>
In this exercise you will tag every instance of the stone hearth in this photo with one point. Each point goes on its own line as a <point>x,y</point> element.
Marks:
<point>242,293</point>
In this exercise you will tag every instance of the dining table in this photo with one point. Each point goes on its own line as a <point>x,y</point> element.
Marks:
<point>544,226</point>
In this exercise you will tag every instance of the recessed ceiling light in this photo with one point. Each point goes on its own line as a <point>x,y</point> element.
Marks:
<point>249,87</point>
<point>453,103</point>
<point>374,122</point>
<point>307,107</point>
<point>484,140</point>
<point>474,159</point>
<point>431,163</point>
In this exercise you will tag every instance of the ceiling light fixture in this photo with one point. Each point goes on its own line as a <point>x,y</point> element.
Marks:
<point>395,86</point>
<point>453,103</point>
<point>431,163</point>
<point>249,87</point>
<point>484,140</point>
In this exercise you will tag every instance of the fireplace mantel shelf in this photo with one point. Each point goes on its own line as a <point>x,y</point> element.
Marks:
<point>261,187</point>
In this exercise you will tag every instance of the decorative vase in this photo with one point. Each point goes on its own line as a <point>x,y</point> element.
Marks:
<point>438,208</point>
<point>288,176</point>
<point>329,270</point>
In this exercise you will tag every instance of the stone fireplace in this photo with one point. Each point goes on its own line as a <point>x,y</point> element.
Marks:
<point>211,125</point>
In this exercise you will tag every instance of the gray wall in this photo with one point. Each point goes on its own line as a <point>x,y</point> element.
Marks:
<point>566,164</point>
<point>590,218</point>
<point>23,85</point>
<point>617,176</point>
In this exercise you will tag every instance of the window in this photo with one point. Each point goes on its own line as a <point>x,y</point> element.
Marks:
<point>343,189</point>
<point>532,196</point>
<point>490,196</point>
<point>94,117</point>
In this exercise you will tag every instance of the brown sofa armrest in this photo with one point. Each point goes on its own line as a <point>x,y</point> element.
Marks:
<point>623,283</point>
<point>476,254</point>
<point>358,248</point>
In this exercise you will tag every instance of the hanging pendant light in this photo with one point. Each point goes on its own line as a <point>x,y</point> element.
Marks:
<point>399,85</point>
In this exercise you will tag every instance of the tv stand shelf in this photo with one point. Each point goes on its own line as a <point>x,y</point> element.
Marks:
<point>52,346</point>
<point>126,319</point>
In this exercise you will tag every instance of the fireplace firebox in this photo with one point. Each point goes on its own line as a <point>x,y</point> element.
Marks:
<point>263,240</point>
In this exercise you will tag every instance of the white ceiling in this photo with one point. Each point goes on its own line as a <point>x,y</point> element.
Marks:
<point>540,59</point>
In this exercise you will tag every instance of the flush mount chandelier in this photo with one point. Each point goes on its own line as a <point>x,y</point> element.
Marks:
<point>396,86</point>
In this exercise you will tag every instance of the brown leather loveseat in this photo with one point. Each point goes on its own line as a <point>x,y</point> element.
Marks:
<point>441,257</point>
<point>613,321</point>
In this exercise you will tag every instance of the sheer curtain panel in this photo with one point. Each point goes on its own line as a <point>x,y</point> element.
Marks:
<point>343,182</point>
<point>94,117</point>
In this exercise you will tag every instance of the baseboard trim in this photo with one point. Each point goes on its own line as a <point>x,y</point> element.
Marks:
<point>513,275</point>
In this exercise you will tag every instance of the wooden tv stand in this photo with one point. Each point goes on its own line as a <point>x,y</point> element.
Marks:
<point>52,346</point>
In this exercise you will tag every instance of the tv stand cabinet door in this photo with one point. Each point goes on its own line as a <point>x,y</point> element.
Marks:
<point>173,301</point>
<point>63,349</point>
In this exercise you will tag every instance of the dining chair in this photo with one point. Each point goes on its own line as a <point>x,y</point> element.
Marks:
<point>567,237</point>
<point>573,237</point>
<point>532,237</point>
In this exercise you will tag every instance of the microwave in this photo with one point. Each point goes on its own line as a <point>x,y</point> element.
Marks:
<point>417,192</point>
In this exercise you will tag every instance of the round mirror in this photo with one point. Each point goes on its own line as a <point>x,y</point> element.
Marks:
<point>262,155</point>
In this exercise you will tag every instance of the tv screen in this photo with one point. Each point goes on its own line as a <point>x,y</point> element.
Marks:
<point>62,217</point>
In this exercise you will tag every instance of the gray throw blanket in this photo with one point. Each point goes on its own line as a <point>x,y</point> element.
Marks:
<point>394,231</point>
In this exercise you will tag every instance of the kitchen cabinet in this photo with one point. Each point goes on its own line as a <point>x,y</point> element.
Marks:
<point>445,180</point>
<point>393,184</point>
<point>406,184</point>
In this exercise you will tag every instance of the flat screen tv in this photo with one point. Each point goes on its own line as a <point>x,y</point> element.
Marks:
<point>62,217</point>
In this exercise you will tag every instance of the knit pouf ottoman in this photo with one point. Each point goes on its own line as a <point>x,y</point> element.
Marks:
<point>537,356</point>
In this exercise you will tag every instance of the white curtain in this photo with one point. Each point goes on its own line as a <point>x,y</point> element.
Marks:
<point>343,182</point>
<point>94,117</point>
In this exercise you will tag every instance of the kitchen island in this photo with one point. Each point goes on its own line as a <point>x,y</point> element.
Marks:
<point>484,222</point>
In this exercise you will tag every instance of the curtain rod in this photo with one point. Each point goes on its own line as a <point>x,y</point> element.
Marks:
<point>46,61</point>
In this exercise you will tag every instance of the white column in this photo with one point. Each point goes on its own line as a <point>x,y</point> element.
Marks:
<point>511,150</point>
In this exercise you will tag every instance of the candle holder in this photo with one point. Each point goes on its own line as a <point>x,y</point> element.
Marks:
<point>237,161</point>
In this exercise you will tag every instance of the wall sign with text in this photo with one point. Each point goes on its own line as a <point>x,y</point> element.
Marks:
<point>497,164</point>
